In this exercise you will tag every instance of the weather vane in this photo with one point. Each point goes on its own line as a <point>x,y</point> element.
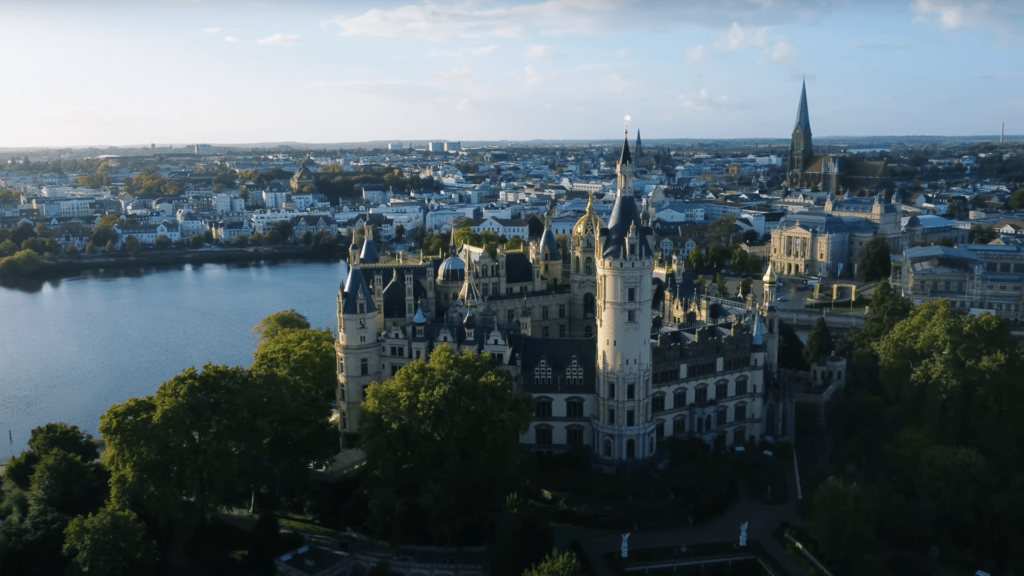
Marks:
<point>627,123</point>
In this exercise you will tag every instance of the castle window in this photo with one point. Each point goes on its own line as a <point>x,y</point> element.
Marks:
<point>542,435</point>
<point>740,412</point>
<point>630,418</point>
<point>721,390</point>
<point>741,386</point>
<point>679,398</point>
<point>630,391</point>
<point>364,366</point>
<point>739,436</point>
<point>631,316</point>
<point>679,425</point>
<point>543,408</point>
<point>606,450</point>
<point>588,331</point>
<point>590,263</point>
<point>721,416</point>
<point>631,295</point>
<point>658,403</point>
<point>574,374</point>
<point>574,435</point>
<point>701,395</point>
<point>511,315</point>
<point>561,330</point>
<point>362,308</point>
<point>611,415</point>
<point>561,310</point>
<point>574,407</point>
<point>544,332</point>
<point>543,312</point>
<point>611,390</point>
<point>659,428</point>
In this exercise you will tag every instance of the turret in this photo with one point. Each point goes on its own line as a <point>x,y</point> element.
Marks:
<point>357,350</point>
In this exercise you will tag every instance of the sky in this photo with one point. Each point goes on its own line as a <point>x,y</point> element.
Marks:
<point>131,72</point>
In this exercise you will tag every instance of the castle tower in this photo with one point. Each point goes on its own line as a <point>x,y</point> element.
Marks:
<point>624,428</point>
<point>770,280</point>
<point>549,254</point>
<point>357,349</point>
<point>583,272</point>
<point>801,151</point>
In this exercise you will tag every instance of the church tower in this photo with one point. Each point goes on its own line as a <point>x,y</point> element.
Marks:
<point>624,428</point>
<point>357,348</point>
<point>801,151</point>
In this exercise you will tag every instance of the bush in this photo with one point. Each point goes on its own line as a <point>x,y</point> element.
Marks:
<point>24,263</point>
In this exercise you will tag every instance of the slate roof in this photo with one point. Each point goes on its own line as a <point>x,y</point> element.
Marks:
<point>822,223</point>
<point>356,289</point>
<point>368,255</point>
<point>394,299</point>
<point>624,215</point>
<point>549,243</point>
<point>518,268</point>
<point>803,118</point>
<point>558,356</point>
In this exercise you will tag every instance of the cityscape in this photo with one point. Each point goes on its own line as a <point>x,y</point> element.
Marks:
<point>683,326</point>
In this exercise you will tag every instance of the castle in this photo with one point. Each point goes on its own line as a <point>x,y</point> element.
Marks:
<point>617,349</point>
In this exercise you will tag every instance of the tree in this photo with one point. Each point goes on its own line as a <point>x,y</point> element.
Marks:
<point>304,355</point>
<point>273,238</point>
<point>110,247</point>
<point>875,261</point>
<point>104,233</point>
<point>720,231</point>
<point>556,564</point>
<point>819,342</point>
<point>90,248</point>
<point>163,242</point>
<point>739,260</point>
<point>399,231</point>
<point>1017,200</point>
<point>8,248</point>
<point>696,259</point>
<point>887,309</point>
<point>63,482</point>
<point>272,325</point>
<point>514,243</point>
<point>241,241</point>
<point>195,242</point>
<point>61,436</point>
<point>746,287</point>
<point>110,543</point>
<point>982,234</point>
<point>843,521</point>
<point>791,349</point>
<point>723,290</point>
<point>952,480</point>
<point>132,246</point>
<point>71,250</point>
<point>31,545</point>
<point>22,232</point>
<point>442,446</point>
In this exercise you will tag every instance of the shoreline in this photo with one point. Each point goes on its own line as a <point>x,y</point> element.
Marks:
<point>68,268</point>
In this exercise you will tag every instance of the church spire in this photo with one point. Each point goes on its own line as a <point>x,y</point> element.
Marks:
<point>625,158</point>
<point>803,119</point>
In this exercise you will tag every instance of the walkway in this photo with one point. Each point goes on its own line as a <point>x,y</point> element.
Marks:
<point>763,519</point>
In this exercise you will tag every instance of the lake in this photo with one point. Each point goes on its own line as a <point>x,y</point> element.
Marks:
<point>73,347</point>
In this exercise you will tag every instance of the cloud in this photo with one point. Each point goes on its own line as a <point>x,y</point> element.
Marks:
<point>781,53</point>
<point>623,53</point>
<point>464,53</point>
<point>540,52</point>
<point>1002,18</point>
<point>442,22</point>
<point>531,75</point>
<point>231,39</point>
<point>739,38</point>
<point>704,101</point>
<point>281,39</point>
<point>696,54</point>
<point>615,83</point>
<point>463,105</point>
<point>456,74</point>
<point>213,30</point>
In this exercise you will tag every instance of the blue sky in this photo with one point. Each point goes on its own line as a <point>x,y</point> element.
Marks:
<point>124,72</point>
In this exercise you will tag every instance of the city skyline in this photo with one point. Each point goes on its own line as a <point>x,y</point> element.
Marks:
<point>123,72</point>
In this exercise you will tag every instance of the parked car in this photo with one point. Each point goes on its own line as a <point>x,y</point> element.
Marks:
<point>783,299</point>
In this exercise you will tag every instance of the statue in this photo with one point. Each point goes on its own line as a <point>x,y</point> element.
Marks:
<point>743,533</point>
<point>625,545</point>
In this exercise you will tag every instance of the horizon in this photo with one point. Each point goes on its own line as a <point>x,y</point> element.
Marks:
<point>124,73</point>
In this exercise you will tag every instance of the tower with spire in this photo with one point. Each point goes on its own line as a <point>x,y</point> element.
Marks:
<point>356,347</point>
<point>624,428</point>
<point>801,151</point>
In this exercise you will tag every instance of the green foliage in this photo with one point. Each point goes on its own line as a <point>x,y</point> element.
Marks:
<point>149,184</point>
<point>63,482</point>
<point>31,545</point>
<point>110,543</point>
<point>875,262</point>
<point>982,234</point>
<point>61,436</point>
<point>23,263</point>
<point>90,248</point>
<point>843,521</point>
<point>746,287</point>
<point>952,479</point>
<point>163,242</point>
<point>307,356</point>
<point>720,231</point>
<point>515,243</point>
<point>241,241</point>
<point>723,289</point>
<point>272,325</point>
<point>819,342</point>
<point>132,246</point>
<point>22,232</point>
<point>20,468</point>
<point>8,195</point>
<point>110,246</point>
<point>8,248</point>
<point>1017,200</point>
<point>556,564</point>
<point>887,309</point>
<point>442,446</point>
<point>696,259</point>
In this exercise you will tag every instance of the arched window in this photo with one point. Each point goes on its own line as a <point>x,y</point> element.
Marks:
<point>658,403</point>
<point>707,423</point>
<point>740,412</point>
<point>630,448</point>
<point>679,398</point>
<point>542,407</point>
<point>721,416</point>
<point>721,389</point>
<point>574,407</point>
<point>659,428</point>
<point>741,386</point>
<point>574,435</point>
<point>607,448</point>
<point>701,394</point>
<point>542,435</point>
<point>679,426</point>
<point>739,436</point>
<point>577,267</point>
<point>574,374</point>
<point>589,305</point>
<point>589,265</point>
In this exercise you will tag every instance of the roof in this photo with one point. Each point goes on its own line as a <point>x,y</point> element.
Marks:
<point>822,223</point>
<point>624,216</point>
<point>518,268</point>
<point>368,255</point>
<point>534,350</point>
<point>394,299</point>
<point>625,158</point>
<point>803,118</point>
<point>355,291</point>
<point>550,244</point>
